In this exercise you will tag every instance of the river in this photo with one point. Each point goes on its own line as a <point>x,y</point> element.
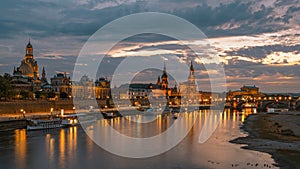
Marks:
<point>73,148</point>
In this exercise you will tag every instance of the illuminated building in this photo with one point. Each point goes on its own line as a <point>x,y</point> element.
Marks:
<point>26,76</point>
<point>61,85</point>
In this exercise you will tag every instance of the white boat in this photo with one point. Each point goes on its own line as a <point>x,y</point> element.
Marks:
<point>44,124</point>
<point>60,121</point>
<point>76,119</point>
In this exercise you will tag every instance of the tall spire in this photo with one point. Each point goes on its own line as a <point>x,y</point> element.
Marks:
<point>44,72</point>
<point>164,78</point>
<point>192,76</point>
<point>192,67</point>
<point>158,80</point>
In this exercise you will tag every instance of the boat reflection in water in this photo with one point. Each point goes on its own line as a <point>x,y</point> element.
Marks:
<point>72,148</point>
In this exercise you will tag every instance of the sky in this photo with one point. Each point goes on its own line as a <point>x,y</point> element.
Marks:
<point>257,41</point>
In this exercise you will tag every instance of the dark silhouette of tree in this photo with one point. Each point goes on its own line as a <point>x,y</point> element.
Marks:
<point>24,94</point>
<point>50,94</point>
<point>38,94</point>
<point>64,95</point>
<point>41,94</point>
<point>6,89</point>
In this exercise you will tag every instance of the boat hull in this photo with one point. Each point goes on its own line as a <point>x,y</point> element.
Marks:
<point>29,128</point>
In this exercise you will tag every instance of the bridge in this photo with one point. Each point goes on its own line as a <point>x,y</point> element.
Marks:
<point>263,103</point>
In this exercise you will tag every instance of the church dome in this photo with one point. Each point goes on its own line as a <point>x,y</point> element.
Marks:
<point>26,69</point>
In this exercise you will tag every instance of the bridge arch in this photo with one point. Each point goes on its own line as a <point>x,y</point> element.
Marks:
<point>279,104</point>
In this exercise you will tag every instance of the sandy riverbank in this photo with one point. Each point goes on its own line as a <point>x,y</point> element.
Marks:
<point>276,134</point>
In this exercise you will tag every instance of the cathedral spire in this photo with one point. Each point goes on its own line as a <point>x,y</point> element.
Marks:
<point>158,80</point>
<point>192,67</point>
<point>192,73</point>
<point>44,73</point>
<point>164,78</point>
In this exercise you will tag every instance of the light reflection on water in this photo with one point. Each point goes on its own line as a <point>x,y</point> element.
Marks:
<point>72,148</point>
<point>20,148</point>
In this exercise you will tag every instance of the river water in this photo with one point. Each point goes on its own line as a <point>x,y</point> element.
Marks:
<point>73,148</point>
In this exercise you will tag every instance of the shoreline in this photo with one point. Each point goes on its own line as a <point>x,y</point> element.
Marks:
<point>275,134</point>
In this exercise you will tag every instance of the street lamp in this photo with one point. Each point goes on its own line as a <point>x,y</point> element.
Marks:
<point>62,112</point>
<point>51,111</point>
<point>23,112</point>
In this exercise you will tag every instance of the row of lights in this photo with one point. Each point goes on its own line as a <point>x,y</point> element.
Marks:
<point>51,111</point>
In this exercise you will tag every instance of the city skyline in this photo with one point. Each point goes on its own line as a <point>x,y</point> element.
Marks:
<point>141,76</point>
<point>259,46</point>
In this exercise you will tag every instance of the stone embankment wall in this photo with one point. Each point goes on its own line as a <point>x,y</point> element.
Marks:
<point>12,125</point>
<point>31,106</point>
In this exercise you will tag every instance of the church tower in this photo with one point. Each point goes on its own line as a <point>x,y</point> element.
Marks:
<point>29,50</point>
<point>158,80</point>
<point>164,78</point>
<point>192,74</point>
<point>44,78</point>
<point>29,66</point>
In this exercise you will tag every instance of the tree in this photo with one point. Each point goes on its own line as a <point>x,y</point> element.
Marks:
<point>63,95</point>
<point>50,94</point>
<point>24,94</point>
<point>38,94</point>
<point>6,89</point>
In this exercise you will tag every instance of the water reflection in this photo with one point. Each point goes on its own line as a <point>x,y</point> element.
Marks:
<point>20,147</point>
<point>246,112</point>
<point>71,148</point>
<point>62,148</point>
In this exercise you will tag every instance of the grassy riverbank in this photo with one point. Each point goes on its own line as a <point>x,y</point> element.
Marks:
<point>276,134</point>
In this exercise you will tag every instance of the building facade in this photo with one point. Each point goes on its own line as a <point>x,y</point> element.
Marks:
<point>245,93</point>
<point>62,85</point>
<point>84,89</point>
<point>102,88</point>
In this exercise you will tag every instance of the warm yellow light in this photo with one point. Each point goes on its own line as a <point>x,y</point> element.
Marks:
<point>62,111</point>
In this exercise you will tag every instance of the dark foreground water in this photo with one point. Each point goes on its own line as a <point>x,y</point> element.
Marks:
<point>72,148</point>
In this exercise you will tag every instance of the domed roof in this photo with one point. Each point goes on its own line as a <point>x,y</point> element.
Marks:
<point>26,69</point>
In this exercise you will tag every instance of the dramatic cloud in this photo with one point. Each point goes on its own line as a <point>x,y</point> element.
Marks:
<point>256,40</point>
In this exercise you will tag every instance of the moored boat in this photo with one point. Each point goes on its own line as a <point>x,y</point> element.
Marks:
<point>109,114</point>
<point>42,124</point>
<point>60,121</point>
<point>76,119</point>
